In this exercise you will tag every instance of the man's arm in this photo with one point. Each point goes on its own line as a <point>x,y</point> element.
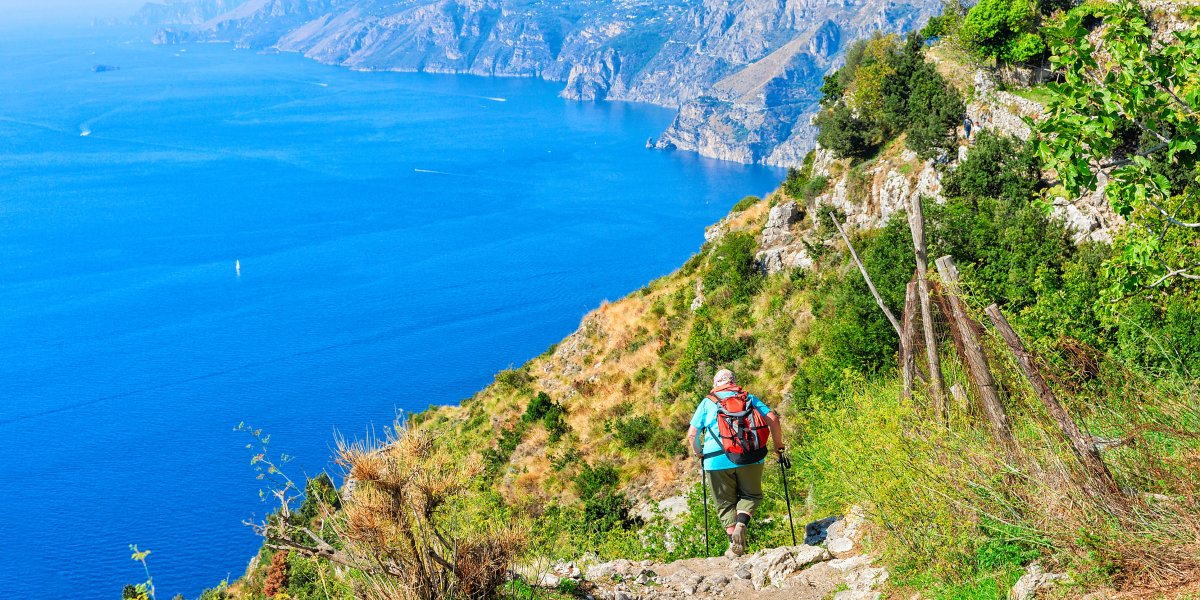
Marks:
<point>776,429</point>
<point>694,440</point>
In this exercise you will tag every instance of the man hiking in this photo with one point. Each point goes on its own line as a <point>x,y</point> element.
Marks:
<point>735,424</point>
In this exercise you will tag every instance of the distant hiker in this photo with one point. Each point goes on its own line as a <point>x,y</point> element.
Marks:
<point>736,425</point>
<point>967,123</point>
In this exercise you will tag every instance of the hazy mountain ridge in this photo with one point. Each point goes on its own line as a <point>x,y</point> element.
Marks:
<point>745,74</point>
<point>182,12</point>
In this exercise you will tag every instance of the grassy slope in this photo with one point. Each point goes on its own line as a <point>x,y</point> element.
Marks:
<point>616,357</point>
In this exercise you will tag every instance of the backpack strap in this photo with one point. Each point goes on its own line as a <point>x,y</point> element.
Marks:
<point>711,429</point>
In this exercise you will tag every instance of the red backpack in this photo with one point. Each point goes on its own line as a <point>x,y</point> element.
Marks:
<point>741,428</point>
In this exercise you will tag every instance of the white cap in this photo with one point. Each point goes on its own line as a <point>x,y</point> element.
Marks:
<point>724,377</point>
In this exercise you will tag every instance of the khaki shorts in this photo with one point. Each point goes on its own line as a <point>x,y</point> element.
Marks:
<point>736,490</point>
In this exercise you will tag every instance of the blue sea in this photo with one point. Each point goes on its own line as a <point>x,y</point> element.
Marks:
<point>208,236</point>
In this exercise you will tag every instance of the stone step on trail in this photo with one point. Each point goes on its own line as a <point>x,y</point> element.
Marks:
<point>827,565</point>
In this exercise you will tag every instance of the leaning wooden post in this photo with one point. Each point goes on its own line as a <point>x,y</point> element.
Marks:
<point>866,276</point>
<point>977,363</point>
<point>1085,451</point>
<point>908,359</point>
<point>937,385</point>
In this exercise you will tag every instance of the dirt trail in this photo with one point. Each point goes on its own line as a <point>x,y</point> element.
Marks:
<point>828,565</point>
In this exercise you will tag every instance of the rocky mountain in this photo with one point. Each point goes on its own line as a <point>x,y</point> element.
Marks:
<point>182,12</point>
<point>743,74</point>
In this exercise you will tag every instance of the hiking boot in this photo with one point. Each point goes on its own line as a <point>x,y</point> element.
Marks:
<point>737,541</point>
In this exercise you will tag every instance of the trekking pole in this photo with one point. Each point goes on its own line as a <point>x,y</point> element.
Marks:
<point>704,486</point>
<point>787,497</point>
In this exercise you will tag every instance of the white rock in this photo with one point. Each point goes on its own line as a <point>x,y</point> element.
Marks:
<point>929,183</point>
<point>842,536</point>
<point>771,260</point>
<point>688,580</point>
<point>715,232</point>
<point>772,567</point>
<point>1033,580</point>
<point>616,568</point>
<point>697,302</point>
<point>893,194</point>
<point>778,231</point>
<point>823,161</point>
<point>858,574</point>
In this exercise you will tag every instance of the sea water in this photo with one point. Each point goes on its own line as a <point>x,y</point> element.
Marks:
<point>208,236</point>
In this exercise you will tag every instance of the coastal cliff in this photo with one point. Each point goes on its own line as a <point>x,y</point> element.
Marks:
<point>744,75</point>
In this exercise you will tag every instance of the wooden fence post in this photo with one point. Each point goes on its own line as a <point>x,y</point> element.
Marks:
<point>937,384</point>
<point>1085,450</point>
<point>908,359</point>
<point>977,363</point>
<point>866,276</point>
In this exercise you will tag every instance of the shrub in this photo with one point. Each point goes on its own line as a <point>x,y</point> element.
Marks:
<point>604,507</point>
<point>277,575</point>
<point>221,592</point>
<point>708,345</point>
<point>320,496</point>
<point>745,203</point>
<point>634,432</point>
<point>516,379</point>
<point>538,407</point>
<point>847,136</point>
<point>934,109</point>
<point>890,89</point>
<point>731,267</point>
<point>550,413</point>
<point>494,459</point>
<point>796,179</point>
<point>990,223</point>
<point>996,167</point>
<point>1003,29</point>
<point>800,184</point>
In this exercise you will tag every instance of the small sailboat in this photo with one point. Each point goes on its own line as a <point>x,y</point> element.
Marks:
<point>237,266</point>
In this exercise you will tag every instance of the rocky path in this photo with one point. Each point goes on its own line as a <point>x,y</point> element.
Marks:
<point>785,573</point>
<point>828,565</point>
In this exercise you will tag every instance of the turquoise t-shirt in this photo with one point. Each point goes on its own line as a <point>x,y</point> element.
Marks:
<point>705,420</point>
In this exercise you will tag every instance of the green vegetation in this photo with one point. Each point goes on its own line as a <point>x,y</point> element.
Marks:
<point>1133,125</point>
<point>1114,328</point>
<point>604,508</point>
<point>1006,30</point>
<point>550,413</point>
<point>887,88</point>
<point>801,184</point>
<point>745,203</point>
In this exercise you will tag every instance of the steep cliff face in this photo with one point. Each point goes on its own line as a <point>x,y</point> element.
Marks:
<point>182,12</point>
<point>744,74</point>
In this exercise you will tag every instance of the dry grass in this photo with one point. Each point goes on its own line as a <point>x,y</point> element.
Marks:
<point>592,373</point>
<point>407,523</point>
